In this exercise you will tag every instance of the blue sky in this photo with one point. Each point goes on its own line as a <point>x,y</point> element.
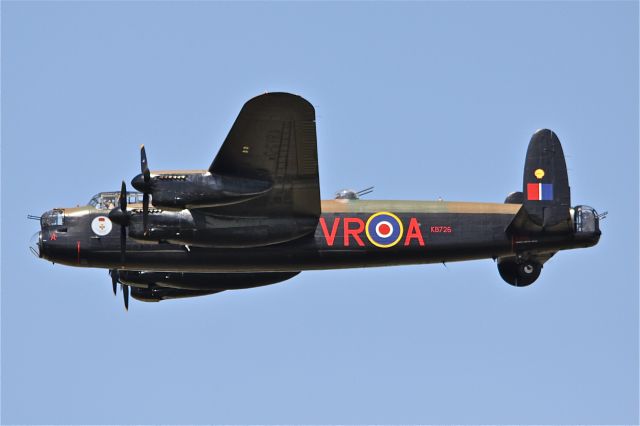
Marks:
<point>422,100</point>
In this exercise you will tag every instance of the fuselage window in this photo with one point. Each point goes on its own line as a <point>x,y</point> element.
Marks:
<point>134,198</point>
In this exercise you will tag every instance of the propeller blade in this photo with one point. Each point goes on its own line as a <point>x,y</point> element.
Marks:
<point>144,166</point>
<point>125,296</point>
<point>123,243</point>
<point>142,182</point>
<point>114,279</point>
<point>145,211</point>
<point>123,198</point>
<point>123,229</point>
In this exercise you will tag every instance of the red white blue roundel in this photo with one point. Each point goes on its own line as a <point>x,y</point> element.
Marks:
<point>384,229</point>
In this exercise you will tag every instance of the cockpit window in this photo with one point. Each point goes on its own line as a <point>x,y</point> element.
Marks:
<point>109,200</point>
<point>134,197</point>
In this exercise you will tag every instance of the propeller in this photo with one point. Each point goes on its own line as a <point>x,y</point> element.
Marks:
<point>115,279</point>
<point>123,226</point>
<point>125,295</point>
<point>121,216</point>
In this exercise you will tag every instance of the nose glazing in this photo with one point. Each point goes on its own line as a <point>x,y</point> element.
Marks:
<point>35,243</point>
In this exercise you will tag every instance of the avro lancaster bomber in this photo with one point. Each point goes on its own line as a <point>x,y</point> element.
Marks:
<point>255,218</point>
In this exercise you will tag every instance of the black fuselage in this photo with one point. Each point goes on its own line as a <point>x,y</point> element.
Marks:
<point>350,234</point>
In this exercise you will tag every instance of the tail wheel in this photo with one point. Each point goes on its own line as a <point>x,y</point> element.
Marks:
<point>519,274</point>
<point>528,272</point>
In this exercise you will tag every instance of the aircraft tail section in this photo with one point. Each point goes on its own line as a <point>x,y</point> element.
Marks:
<point>546,197</point>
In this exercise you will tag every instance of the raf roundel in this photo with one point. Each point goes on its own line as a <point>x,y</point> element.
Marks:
<point>101,225</point>
<point>384,229</point>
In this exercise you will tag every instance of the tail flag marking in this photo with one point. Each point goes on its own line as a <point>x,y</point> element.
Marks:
<point>540,192</point>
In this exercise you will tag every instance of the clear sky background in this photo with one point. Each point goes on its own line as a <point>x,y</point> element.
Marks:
<point>422,100</point>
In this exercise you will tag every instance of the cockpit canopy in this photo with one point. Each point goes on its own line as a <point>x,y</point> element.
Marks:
<point>109,200</point>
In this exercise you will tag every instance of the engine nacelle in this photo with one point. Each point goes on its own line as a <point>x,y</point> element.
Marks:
<point>181,190</point>
<point>192,228</point>
<point>156,294</point>
<point>519,273</point>
<point>193,281</point>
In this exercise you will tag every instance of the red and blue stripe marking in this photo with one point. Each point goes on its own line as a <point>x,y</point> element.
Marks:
<point>540,191</point>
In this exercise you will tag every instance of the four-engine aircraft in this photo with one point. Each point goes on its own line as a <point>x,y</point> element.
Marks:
<point>255,218</point>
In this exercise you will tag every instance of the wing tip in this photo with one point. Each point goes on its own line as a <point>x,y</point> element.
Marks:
<point>280,98</point>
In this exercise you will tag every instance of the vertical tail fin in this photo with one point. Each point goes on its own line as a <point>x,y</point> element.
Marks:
<point>547,198</point>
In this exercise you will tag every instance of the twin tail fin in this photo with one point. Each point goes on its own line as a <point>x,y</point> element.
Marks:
<point>546,196</point>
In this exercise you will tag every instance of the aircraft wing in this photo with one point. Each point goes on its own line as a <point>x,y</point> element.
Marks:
<point>274,139</point>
